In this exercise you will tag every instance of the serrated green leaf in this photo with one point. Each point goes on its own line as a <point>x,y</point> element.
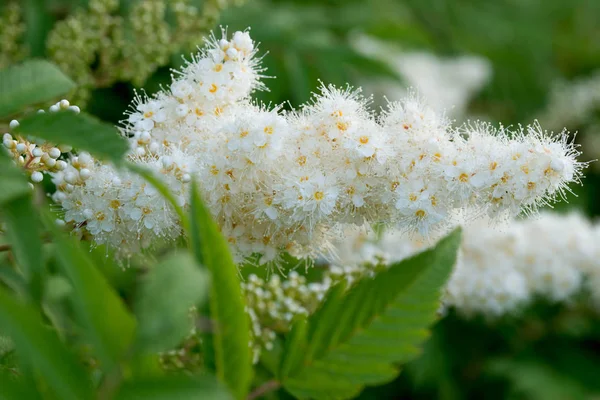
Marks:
<point>78,130</point>
<point>29,83</point>
<point>42,350</point>
<point>169,388</point>
<point>12,180</point>
<point>23,232</point>
<point>230,333</point>
<point>359,336</point>
<point>163,305</point>
<point>108,325</point>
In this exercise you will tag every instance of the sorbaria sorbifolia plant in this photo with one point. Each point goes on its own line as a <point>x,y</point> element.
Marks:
<point>209,165</point>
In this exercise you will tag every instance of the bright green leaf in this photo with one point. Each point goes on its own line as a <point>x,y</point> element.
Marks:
<point>358,336</point>
<point>33,82</point>
<point>79,130</point>
<point>107,324</point>
<point>230,332</point>
<point>41,349</point>
<point>174,387</point>
<point>163,305</point>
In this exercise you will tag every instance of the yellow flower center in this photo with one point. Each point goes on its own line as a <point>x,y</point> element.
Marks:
<point>319,196</point>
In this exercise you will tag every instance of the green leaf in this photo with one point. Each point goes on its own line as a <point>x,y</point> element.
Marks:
<point>230,333</point>
<point>107,324</point>
<point>163,305</point>
<point>536,380</point>
<point>42,350</point>
<point>78,130</point>
<point>13,389</point>
<point>29,83</point>
<point>23,232</point>
<point>12,180</point>
<point>358,336</point>
<point>174,387</point>
<point>39,20</point>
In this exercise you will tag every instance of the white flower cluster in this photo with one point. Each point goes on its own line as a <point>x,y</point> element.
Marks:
<point>280,182</point>
<point>34,155</point>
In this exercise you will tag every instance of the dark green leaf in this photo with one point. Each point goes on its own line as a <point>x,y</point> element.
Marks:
<point>171,388</point>
<point>358,336</point>
<point>79,130</point>
<point>12,180</point>
<point>230,325</point>
<point>12,389</point>
<point>163,305</point>
<point>32,82</point>
<point>108,325</point>
<point>41,349</point>
<point>23,231</point>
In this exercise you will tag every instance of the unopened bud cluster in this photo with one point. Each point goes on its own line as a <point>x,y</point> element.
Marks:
<point>12,29</point>
<point>34,155</point>
<point>273,303</point>
<point>98,45</point>
<point>287,182</point>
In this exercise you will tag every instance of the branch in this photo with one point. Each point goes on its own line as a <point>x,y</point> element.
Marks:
<point>5,247</point>
<point>263,389</point>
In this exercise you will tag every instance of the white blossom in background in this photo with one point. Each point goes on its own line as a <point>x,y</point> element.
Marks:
<point>500,267</point>
<point>448,83</point>
<point>287,181</point>
<point>572,104</point>
<point>575,105</point>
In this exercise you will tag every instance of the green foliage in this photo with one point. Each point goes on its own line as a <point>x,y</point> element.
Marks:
<point>94,347</point>
<point>42,351</point>
<point>168,388</point>
<point>79,130</point>
<point>30,83</point>
<point>14,184</point>
<point>355,338</point>
<point>165,298</point>
<point>229,334</point>
<point>107,324</point>
<point>23,231</point>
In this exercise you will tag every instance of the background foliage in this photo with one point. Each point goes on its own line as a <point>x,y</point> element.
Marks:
<point>549,352</point>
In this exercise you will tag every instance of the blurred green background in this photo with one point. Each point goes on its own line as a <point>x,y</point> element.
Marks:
<point>509,61</point>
